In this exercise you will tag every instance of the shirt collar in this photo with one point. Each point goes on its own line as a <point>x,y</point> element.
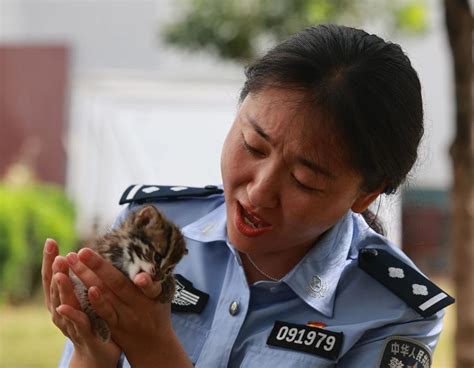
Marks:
<point>315,278</point>
<point>209,228</point>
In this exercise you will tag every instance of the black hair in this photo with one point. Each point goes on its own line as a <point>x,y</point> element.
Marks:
<point>365,85</point>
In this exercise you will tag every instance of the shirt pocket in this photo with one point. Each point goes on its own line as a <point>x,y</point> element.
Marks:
<point>191,335</point>
<point>269,357</point>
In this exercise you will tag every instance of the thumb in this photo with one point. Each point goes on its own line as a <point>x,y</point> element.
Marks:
<point>152,289</point>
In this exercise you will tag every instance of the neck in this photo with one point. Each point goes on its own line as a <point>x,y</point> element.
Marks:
<point>275,264</point>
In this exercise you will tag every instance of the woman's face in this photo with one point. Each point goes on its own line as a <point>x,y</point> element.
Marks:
<point>285,180</point>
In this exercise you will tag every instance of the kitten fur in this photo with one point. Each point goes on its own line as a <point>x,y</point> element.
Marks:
<point>146,241</point>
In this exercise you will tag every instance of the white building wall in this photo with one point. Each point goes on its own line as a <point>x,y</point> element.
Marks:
<point>128,88</point>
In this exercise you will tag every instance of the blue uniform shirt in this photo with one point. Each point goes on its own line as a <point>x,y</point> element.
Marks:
<point>326,287</point>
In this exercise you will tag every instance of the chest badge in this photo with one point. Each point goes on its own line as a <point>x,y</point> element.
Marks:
<point>187,298</point>
<point>313,340</point>
<point>316,287</point>
<point>316,324</point>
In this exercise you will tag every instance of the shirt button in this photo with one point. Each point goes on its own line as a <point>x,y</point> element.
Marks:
<point>234,308</point>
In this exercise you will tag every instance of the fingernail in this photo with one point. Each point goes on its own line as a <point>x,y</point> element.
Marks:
<point>85,254</point>
<point>49,246</point>
<point>71,258</point>
<point>141,282</point>
<point>94,292</point>
<point>58,309</point>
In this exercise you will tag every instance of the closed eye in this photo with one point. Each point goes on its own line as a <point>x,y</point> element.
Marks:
<point>305,187</point>
<point>252,150</point>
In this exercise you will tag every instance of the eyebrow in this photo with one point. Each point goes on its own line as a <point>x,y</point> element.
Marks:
<point>258,129</point>
<point>303,161</point>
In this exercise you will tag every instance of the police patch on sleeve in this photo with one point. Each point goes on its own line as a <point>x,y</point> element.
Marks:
<point>402,352</point>
<point>187,298</point>
<point>313,340</point>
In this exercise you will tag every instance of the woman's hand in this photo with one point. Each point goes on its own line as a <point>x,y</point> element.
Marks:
<point>140,325</point>
<point>89,350</point>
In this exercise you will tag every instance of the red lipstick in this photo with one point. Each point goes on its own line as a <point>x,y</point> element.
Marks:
<point>249,224</point>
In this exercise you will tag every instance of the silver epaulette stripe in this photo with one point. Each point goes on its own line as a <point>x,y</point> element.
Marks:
<point>432,301</point>
<point>133,191</point>
<point>187,296</point>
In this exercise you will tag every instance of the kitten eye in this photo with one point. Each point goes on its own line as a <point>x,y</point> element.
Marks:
<point>157,257</point>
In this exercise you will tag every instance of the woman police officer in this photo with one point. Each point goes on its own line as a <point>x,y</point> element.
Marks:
<point>283,268</point>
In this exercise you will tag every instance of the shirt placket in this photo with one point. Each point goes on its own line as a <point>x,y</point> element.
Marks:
<point>229,316</point>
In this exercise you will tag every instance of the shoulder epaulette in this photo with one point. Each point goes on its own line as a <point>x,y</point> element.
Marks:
<point>147,193</point>
<point>404,281</point>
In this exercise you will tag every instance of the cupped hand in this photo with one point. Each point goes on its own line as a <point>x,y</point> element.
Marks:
<point>139,323</point>
<point>66,314</point>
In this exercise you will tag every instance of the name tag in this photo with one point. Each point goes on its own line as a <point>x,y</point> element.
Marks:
<point>313,340</point>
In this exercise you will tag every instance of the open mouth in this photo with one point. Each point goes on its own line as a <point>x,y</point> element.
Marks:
<point>249,224</point>
<point>253,220</point>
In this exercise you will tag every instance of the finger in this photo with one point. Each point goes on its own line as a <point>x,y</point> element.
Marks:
<point>115,280</point>
<point>59,321</point>
<point>84,273</point>
<point>66,290</point>
<point>152,289</point>
<point>102,306</point>
<point>77,324</point>
<point>60,265</point>
<point>55,301</point>
<point>64,324</point>
<point>75,316</point>
<point>50,251</point>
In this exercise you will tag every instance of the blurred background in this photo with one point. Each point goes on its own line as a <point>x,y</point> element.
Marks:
<point>96,95</point>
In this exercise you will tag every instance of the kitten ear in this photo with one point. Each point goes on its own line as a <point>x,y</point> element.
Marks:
<point>148,215</point>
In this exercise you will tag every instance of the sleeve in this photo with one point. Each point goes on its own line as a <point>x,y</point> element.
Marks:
<point>397,345</point>
<point>122,216</point>
<point>66,355</point>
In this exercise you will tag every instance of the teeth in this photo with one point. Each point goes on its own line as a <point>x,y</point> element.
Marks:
<point>250,223</point>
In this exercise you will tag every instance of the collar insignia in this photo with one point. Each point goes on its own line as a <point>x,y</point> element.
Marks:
<point>316,287</point>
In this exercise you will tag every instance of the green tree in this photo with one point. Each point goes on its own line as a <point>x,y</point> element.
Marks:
<point>236,29</point>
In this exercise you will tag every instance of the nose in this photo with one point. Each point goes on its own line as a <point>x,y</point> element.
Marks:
<point>263,191</point>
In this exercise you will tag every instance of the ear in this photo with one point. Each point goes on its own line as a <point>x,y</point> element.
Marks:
<point>363,201</point>
<point>147,216</point>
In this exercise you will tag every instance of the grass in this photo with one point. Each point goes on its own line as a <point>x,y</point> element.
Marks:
<point>28,338</point>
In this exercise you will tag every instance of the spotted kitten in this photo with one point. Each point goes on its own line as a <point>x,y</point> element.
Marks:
<point>145,241</point>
